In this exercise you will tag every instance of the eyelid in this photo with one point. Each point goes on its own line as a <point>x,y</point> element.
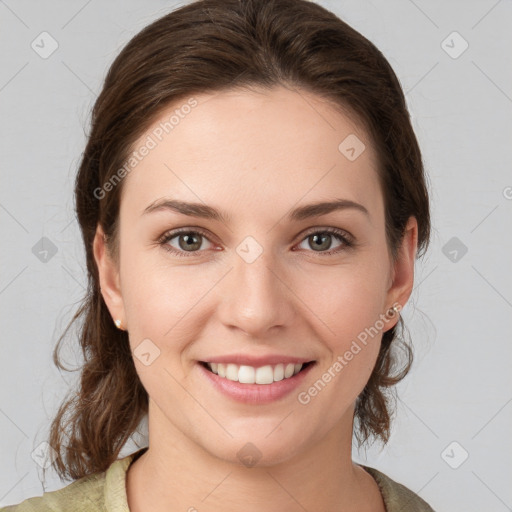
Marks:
<point>173,233</point>
<point>347,239</point>
<point>331,230</point>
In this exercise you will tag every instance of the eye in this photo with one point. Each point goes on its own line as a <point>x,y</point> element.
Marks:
<point>322,239</point>
<point>191,241</point>
<point>188,241</point>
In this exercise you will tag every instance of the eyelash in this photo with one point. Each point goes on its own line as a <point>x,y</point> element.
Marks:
<point>342,236</point>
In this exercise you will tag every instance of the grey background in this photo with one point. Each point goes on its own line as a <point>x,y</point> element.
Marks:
<point>459,317</point>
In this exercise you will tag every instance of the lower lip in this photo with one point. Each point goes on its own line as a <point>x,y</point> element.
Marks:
<point>255,393</point>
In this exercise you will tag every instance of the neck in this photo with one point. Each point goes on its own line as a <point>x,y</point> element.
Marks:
<point>176,473</point>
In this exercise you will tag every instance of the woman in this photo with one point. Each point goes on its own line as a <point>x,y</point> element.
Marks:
<point>252,200</point>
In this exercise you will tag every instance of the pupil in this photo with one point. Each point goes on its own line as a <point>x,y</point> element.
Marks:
<point>189,242</point>
<point>323,238</point>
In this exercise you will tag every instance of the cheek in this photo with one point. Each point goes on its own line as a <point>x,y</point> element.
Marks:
<point>166,310</point>
<point>165,303</point>
<point>348,308</point>
<point>348,305</point>
<point>346,300</point>
<point>160,298</point>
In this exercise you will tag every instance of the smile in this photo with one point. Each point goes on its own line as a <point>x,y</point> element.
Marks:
<point>250,375</point>
<point>255,380</point>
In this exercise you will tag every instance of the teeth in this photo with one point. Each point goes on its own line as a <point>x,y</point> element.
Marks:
<point>278,372</point>
<point>250,375</point>
<point>232,372</point>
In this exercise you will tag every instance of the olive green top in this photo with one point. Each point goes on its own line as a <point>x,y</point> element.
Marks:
<point>106,492</point>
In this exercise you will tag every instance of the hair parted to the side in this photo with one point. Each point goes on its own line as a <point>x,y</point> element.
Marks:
<point>208,46</point>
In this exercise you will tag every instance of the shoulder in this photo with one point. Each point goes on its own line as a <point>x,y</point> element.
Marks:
<point>396,496</point>
<point>83,494</point>
<point>93,493</point>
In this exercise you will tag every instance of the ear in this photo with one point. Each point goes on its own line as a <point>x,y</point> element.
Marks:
<point>402,279</point>
<point>110,283</point>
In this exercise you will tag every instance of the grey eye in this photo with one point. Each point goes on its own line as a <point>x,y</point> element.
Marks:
<point>321,241</point>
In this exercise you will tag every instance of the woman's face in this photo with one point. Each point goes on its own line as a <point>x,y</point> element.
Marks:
<point>260,281</point>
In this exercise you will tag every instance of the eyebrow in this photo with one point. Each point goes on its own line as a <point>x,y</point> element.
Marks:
<point>207,212</point>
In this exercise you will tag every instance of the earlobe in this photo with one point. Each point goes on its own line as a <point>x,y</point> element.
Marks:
<point>403,268</point>
<point>108,276</point>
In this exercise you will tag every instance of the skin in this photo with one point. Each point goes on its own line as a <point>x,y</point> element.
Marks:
<point>254,155</point>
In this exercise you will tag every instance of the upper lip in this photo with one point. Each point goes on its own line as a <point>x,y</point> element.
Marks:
<point>257,361</point>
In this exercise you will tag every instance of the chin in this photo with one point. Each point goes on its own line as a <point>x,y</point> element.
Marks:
<point>255,450</point>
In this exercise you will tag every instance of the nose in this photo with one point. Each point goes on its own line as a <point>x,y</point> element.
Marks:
<point>257,298</point>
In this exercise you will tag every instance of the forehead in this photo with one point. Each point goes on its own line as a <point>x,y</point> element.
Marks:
<point>248,149</point>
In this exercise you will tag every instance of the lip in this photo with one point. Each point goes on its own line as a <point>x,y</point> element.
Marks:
<point>255,394</point>
<point>256,361</point>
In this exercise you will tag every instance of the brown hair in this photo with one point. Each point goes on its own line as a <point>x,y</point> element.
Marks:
<point>208,46</point>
